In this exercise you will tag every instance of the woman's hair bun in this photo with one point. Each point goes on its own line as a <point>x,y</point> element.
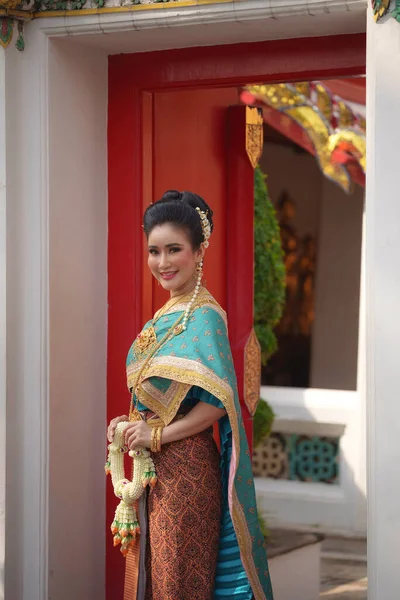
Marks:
<point>179,208</point>
<point>193,200</point>
<point>171,195</point>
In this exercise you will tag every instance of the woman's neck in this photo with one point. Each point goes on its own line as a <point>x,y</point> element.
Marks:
<point>184,290</point>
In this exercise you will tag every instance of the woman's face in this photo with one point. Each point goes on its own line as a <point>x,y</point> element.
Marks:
<point>172,259</point>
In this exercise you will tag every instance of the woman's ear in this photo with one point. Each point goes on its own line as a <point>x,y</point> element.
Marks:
<point>201,251</point>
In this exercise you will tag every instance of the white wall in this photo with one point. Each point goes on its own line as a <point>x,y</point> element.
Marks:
<point>78,321</point>
<point>27,385</point>
<point>56,320</point>
<point>3,264</point>
<point>335,219</point>
<point>335,331</point>
<point>297,173</point>
<point>338,508</point>
<point>382,307</point>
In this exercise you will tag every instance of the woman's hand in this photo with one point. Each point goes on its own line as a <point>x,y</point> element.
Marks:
<point>113,425</point>
<point>138,434</point>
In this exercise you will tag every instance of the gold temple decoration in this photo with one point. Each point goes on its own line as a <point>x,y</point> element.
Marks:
<point>380,8</point>
<point>252,372</point>
<point>327,122</point>
<point>254,134</point>
<point>10,4</point>
<point>14,12</point>
<point>300,266</point>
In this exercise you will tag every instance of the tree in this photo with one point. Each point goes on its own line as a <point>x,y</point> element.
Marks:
<point>269,272</point>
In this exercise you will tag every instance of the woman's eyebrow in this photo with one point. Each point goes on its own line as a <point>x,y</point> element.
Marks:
<point>167,245</point>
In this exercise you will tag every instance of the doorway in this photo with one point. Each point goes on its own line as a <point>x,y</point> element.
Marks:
<point>171,133</point>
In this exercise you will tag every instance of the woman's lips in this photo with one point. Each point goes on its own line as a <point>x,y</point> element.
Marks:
<point>169,275</point>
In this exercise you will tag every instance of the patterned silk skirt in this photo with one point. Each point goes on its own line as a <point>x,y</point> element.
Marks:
<point>184,514</point>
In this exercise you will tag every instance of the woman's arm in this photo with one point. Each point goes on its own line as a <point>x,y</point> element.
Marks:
<point>201,417</point>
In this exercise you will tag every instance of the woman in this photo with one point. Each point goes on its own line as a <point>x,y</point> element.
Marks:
<point>200,537</point>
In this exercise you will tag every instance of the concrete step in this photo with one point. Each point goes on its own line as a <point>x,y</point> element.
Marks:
<point>344,549</point>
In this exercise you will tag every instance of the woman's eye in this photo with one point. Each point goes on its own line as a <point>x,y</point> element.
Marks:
<point>175,249</point>
<point>153,252</point>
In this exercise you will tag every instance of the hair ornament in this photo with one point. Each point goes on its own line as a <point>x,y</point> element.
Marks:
<point>205,225</point>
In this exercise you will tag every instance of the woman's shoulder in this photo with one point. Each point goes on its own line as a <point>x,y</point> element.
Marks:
<point>207,304</point>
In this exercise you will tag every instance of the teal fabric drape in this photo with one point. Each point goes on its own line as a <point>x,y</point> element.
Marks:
<point>196,365</point>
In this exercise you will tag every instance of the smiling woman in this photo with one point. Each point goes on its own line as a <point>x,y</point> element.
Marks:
<point>199,532</point>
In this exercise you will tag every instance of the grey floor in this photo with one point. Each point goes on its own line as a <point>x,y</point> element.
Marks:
<point>343,569</point>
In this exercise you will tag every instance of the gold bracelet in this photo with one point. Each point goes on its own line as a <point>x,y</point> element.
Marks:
<point>153,444</point>
<point>156,433</point>
<point>159,434</point>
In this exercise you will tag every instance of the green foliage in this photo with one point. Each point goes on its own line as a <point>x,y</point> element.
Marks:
<point>262,422</point>
<point>77,4</point>
<point>269,278</point>
<point>262,425</point>
<point>396,12</point>
<point>263,526</point>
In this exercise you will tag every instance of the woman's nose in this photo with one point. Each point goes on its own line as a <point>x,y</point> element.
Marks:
<point>164,260</point>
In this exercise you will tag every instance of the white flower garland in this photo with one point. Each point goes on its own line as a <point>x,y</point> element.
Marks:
<point>125,526</point>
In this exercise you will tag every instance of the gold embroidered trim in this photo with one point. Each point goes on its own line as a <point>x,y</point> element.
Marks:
<point>191,373</point>
<point>246,547</point>
<point>167,416</point>
<point>206,301</point>
<point>191,365</point>
<point>163,397</point>
<point>132,373</point>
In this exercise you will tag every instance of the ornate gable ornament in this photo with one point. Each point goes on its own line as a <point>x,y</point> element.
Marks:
<point>320,122</point>
<point>381,8</point>
<point>13,14</point>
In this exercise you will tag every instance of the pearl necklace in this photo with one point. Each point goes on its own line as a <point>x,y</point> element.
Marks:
<point>194,297</point>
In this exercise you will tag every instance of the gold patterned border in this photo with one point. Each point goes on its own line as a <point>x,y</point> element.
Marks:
<point>175,394</point>
<point>207,302</point>
<point>252,372</point>
<point>254,134</point>
<point>185,371</point>
<point>246,545</point>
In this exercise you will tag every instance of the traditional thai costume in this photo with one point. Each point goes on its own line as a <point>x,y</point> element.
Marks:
<point>200,536</point>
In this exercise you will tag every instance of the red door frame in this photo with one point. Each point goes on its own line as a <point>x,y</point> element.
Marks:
<point>132,80</point>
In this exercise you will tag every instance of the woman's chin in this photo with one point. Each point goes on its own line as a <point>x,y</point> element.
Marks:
<point>176,285</point>
<point>169,285</point>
